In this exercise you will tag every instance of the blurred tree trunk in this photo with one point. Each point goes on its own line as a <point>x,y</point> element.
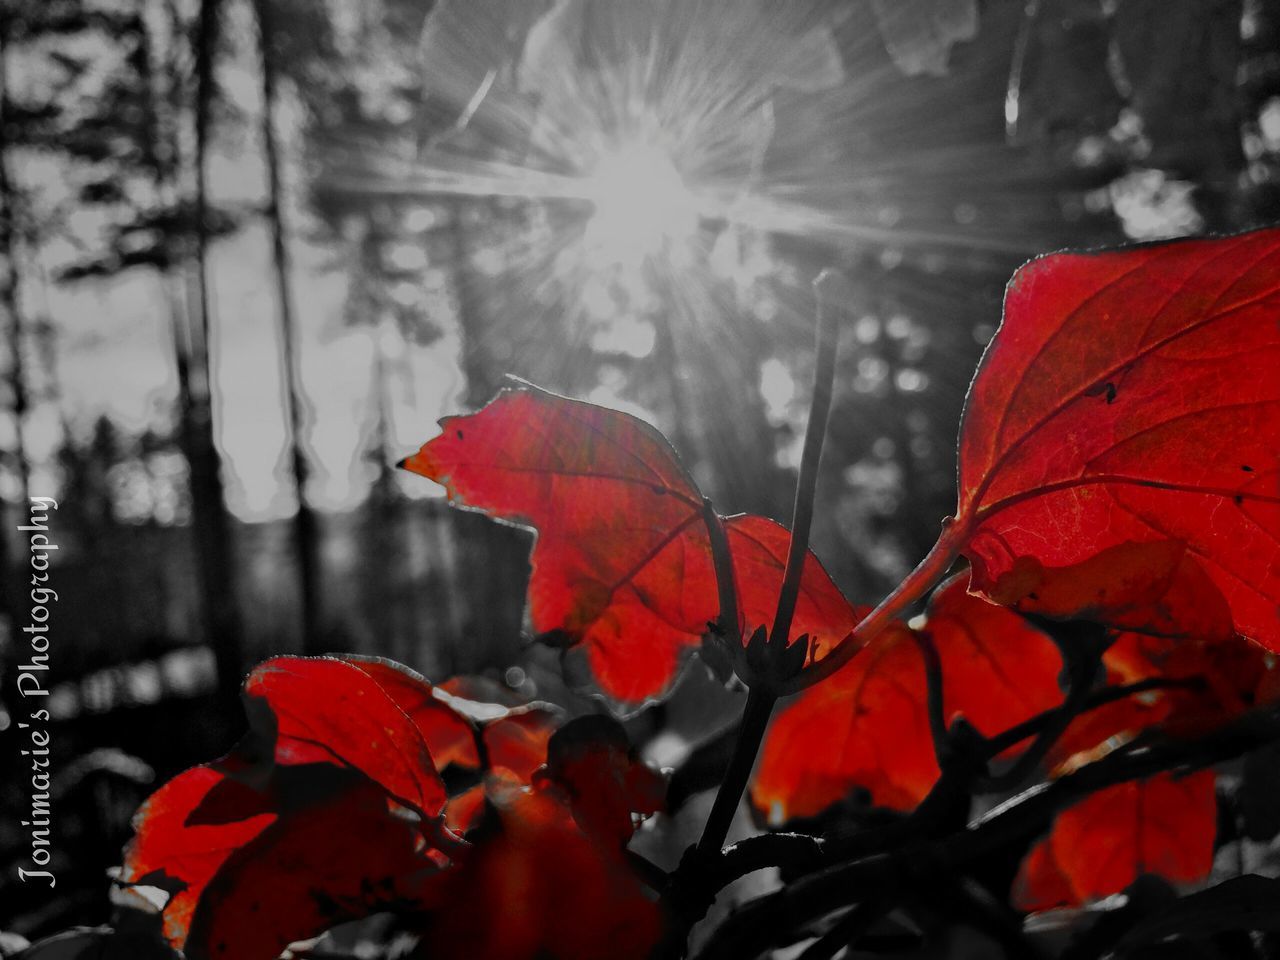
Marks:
<point>10,291</point>
<point>304,529</point>
<point>10,302</point>
<point>221,615</point>
<point>478,368</point>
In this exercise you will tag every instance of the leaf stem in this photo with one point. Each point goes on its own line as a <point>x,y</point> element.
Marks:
<point>762,696</point>
<point>815,433</point>
<point>893,875</point>
<point>727,620</point>
<point>763,693</point>
<point>755,719</point>
<point>913,587</point>
<point>935,697</point>
<point>1037,724</point>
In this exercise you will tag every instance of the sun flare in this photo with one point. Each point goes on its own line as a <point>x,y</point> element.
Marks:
<point>642,205</point>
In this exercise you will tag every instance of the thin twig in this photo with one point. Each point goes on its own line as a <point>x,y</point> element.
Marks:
<point>764,685</point>
<point>1099,698</point>
<point>845,932</point>
<point>726,588</point>
<point>934,697</point>
<point>815,433</point>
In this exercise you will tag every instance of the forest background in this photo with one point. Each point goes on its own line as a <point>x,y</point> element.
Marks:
<point>250,251</point>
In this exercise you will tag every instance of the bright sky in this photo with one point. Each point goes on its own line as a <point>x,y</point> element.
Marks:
<point>115,355</point>
<point>115,359</point>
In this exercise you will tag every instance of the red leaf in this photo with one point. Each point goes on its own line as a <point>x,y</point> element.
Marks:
<point>330,711</point>
<point>465,811</point>
<point>517,742</point>
<point>1131,396</point>
<point>622,563</point>
<point>168,852</point>
<point>539,887</point>
<point>1163,826</point>
<point>327,744</point>
<point>998,670</point>
<point>303,825</point>
<point>867,726</point>
<point>591,761</point>
<point>1234,675</point>
<point>759,550</point>
<point>469,733</point>
<point>622,567</point>
<point>450,736</point>
<point>340,857</point>
<point>1155,587</point>
<point>515,746</point>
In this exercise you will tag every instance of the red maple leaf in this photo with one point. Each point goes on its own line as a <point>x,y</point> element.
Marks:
<point>1130,396</point>
<point>306,825</point>
<point>622,566</point>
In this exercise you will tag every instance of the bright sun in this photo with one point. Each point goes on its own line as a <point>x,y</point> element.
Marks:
<point>641,205</point>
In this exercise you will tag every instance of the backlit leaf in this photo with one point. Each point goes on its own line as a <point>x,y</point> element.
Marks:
<point>1164,826</point>
<point>622,567</point>
<point>538,887</point>
<point>340,857</point>
<point>1130,396</point>
<point>327,710</point>
<point>622,564</point>
<point>867,727</point>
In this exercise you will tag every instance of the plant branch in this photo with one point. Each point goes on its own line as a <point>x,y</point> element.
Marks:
<point>815,433</point>
<point>1055,726</point>
<point>845,932</point>
<point>752,929</point>
<point>916,584</point>
<point>913,588</point>
<point>755,719</point>
<point>763,695</point>
<point>727,625</point>
<point>797,852</point>
<point>934,697</point>
<point>800,853</point>
<point>1099,698</point>
<point>764,683</point>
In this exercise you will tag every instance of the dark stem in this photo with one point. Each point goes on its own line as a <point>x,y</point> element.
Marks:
<point>895,875</point>
<point>1083,661</point>
<point>815,433</point>
<point>917,583</point>
<point>727,619</point>
<point>755,719</point>
<point>1036,725</point>
<point>800,853</point>
<point>934,696</point>
<point>764,690</point>
<point>845,932</point>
